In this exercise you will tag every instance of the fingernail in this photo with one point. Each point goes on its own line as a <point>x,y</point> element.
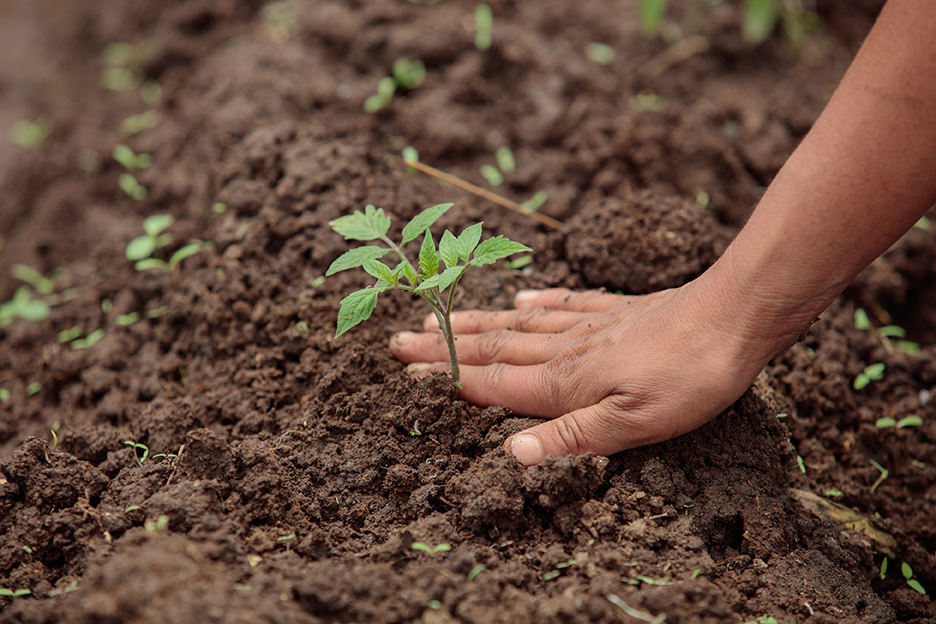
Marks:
<point>403,338</point>
<point>527,448</point>
<point>525,296</point>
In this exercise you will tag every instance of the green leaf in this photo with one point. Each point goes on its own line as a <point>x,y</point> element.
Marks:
<point>505,159</point>
<point>892,331</point>
<point>906,570</point>
<point>423,221</point>
<point>151,263</point>
<point>379,270</point>
<point>908,346</point>
<point>651,14</point>
<point>536,202</point>
<point>29,275</point>
<point>493,249</point>
<point>468,240</point>
<point>356,308</point>
<point>368,225</point>
<point>875,371</point>
<point>448,249</point>
<point>910,421</point>
<point>182,253</point>
<point>760,17</point>
<point>884,423</point>
<point>409,273</point>
<point>862,321</point>
<point>443,280</point>
<point>355,258</point>
<point>428,259</point>
<point>35,310</point>
<point>861,381</point>
<point>492,175</point>
<point>916,586</point>
<point>155,224</point>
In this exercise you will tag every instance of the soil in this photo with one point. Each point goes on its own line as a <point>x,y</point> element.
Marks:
<point>277,477</point>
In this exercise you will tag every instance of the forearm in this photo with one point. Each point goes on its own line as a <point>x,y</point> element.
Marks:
<point>864,174</point>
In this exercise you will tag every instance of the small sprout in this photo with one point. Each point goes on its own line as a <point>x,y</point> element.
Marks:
<point>23,306</point>
<point>801,464</point>
<point>131,161</point>
<point>648,103</point>
<point>138,123</point>
<point>242,587</point>
<point>141,459</point>
<point>88,341</point>
<point>915,462</point>
<point>302,327</point>
<point>150,92</point>
<point>505,160</point>
<point>653,581</point>
<point>862,321</point>
<point>600,53</point>
<point>286,539</point>
<point>484,27</point>
<point>43,284</point>
<point>782,415</point>
<point>106,305</point>
<point>892,331</point>
<point>907,421</point>
<point>31,134</point>
<point>427,278</point>
<point>551,575</point>
<point>923,224</point>
<point>914,584</point>
<point>132,508</point>
<point>408,74</point>
<point>908,346</point>
<point>431,550</point>
<point>884,473</point>
<point>475,571</point>
<point>651,15</point>
<point>29,552</point>
<point>536,202</point>
<point>4,394</point>
<point>874,372</point>
<point>760,17</point>
<point>493,176</point>
<point>157,312</point>
<point>127,319</point>
<point>520,262</point>
<point>696,573</point>
<point>415,430</point>
<point>434,604</point>
<point>143,246</point>
<point>834,493</point>
<point>318,281</point>
<point>158,526</point>
<point>219,207</point>
<point>67,335</point>
<point>33,388</point>
<point>129,185</point>
<point>703,200</point>
<point>55,439</point>
<point>14,593</point>
<point>883,573</point>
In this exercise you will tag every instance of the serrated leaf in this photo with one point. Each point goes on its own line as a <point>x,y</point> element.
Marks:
<point>368,225</point>
<point>141,247</point>
<point>423,221</point>
<point>449,276</point>
<point>448,249</point>
<point>355,258</point>
<point>426,284</point>
<point>493,249</point>
<point>428,259</point>
<point>356,308</point>
<point>468,240</point>
<point>409,273</point>
<point>378,269</point>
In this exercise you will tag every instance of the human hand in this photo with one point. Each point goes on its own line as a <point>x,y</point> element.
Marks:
<point>612,372</point>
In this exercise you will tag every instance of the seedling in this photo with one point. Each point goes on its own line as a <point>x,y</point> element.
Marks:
<point>67,335</point>
<point>801,464</point>
<point>884,473</point>
<point>432,550</point>
<point>558,571</point>
<point>29,552</point>
<point>914,584</point>
<point>536,202</point>
<point>141,459</point>
<point>123,69</point>
<point>88,341</point>
<point>506,164</point>
<point>33,388</point>
<point>426,279</point>
<point>142,248</point>
<point>138,123</point>
<point>475,571</point>
<point>600,53</point>
<point>415,430</point>
<point>484,27</point>
<point>31,134</point>
<point>158,526</point>
<point>874,372</point>
<point>907,421</point>
<point>434,604</point>
<point>4,394</point>
<point>14,593</point>
<point>883,573</point>
<point>407,75</point>
<point>286,539</point>
<point>651,15</point>
<point>127,319</point>
<point>648,103</point>
<point>492,175</point>
<point>131,161</point>
<point>23,306</point>
<point>834,493</point>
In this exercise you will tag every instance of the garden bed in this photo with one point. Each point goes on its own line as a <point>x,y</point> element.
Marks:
<point>273,472</point>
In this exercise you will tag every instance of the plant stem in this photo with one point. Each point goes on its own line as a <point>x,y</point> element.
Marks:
<point>445,324</point>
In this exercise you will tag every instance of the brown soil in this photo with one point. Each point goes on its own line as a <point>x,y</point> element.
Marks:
<point>298,490</point>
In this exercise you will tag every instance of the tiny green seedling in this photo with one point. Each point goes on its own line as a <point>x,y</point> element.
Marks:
<point>138,123</point>
<point>141,459</point>
<point>33,388</point>
<point>14,593</point>
<point>801,464</point>
<point>484,27</point>
<point>862,322</point>
<point>407,75</point>
<point>648,102</point>
<point>536,202</point>
<point>907,421</point>
<point>506,164</point>
<point>4,394</point>
<point>600,53</point>
<point>415,430</point>
<point>23,306</point>
<point>884,474</point>
<point>914,584</point>
<point>874,372</point>
<point>143,247</point>
<point>29,553</point>
<point>432,550</point>
<point>31,134</point>
<point>157,526</point>
<point>130,160</point>
<point>834,493</point>
<point>475,571</point>
<point>88,341</point>
<point>123,66</point>
<point>558,571</point>
<point>651,15</point>
<point>883,572</point>
<point>286,539</point>
<point>426,279</point>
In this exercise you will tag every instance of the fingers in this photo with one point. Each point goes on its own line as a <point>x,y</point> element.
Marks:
<point>477,349</point>
<point>603,429</point>
<point>534,320</point>
<point>568,300</point>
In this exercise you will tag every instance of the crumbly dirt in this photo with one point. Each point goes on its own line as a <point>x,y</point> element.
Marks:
<point>281,480</point>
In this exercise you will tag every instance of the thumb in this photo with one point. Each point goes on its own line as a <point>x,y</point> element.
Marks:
<point>596,428</point>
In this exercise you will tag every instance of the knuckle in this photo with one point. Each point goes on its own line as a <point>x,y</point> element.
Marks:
<point>490,346</point>
<point>570,436</point>
<point>528,320</point>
